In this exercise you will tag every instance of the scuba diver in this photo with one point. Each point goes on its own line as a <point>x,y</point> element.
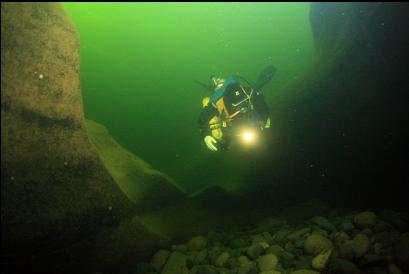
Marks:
<point>236,108</point>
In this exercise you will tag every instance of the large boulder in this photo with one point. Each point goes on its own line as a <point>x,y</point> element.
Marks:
<point>54,188</point>
<point>59,203</point>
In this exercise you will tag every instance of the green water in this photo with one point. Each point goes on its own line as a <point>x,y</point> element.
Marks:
<point>139,62</point>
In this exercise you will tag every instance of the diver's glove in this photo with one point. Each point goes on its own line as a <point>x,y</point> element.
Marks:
<point>210,141</point>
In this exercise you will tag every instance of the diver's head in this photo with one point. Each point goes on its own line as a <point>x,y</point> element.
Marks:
<point>217,82</point>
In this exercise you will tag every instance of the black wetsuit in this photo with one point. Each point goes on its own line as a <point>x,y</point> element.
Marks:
<point>232,96</point>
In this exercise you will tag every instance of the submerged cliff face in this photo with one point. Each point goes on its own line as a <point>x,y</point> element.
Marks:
<point>50,174</point>
<point>58,200</point>
<point>343,125</point>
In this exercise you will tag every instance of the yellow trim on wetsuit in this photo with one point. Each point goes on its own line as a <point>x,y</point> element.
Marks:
<point>216,124</point>
<point>221,107</point>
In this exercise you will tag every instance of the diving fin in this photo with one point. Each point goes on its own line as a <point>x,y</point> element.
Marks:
<point>265,76</point>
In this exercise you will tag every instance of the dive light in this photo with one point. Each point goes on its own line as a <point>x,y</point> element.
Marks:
<point>248,136</point>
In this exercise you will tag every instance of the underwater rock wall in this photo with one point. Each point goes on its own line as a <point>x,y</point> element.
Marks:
<point>53,186</point>
<point>60,207</point>
<point>343,125</point>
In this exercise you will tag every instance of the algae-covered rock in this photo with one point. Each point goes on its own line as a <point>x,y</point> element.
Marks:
<point>280,236</point>
<point>320,261</point>
<point>176,264</point>
<point>243,260</point>
<point>264,245</point>
<point>222,259</point>
<point>257,239</point>
<point>214,253</point>
<point>267,262</point>
<point>263,239</point>
<point>199,257</point>
<point>275,249</point>
<point>314,244</point>
<point>267,237</point>
<point>365,219</point>
<point>355,248</point>
<point>298,233</point>
<point>254,251</point>
<point>340,237</point>
<point>196,243</point>
<point>159,259</point>
<point>245,266</point>
<point>347,226</point>
<point>324,223</point>
<point>181,248</point>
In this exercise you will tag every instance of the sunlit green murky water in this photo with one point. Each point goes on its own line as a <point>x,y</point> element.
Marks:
<point>139,62</point>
